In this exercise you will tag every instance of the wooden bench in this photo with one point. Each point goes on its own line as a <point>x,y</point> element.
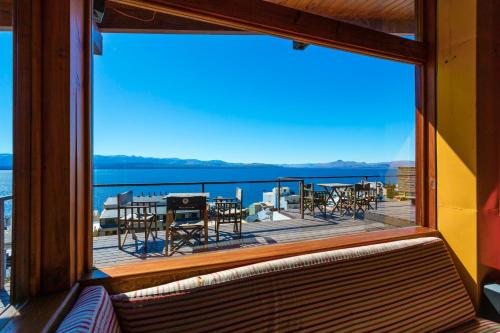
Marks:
<point>401,286</point>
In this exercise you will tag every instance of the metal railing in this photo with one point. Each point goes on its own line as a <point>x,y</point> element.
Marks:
<point>3,260</point>
<point>280,180</point>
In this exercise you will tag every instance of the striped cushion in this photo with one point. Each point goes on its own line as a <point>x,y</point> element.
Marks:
<point>477,326</point>
<point>92,312</point>
<point>402,286</point>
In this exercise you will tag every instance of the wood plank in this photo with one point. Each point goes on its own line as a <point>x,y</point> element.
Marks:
<point>352,9</point>
<point>106,252</point>
<point>129,277</point>
<point>43,314</point>
<point>260,16</point>
<point>5,15</point>
<point>50,83</point>
<point>126,19</point>
<point>425,101</point>
<point>27,159</point>
<point>488,133</point>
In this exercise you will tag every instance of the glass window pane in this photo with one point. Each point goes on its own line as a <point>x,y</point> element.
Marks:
<point>6,66</point>
<point>230,114</point>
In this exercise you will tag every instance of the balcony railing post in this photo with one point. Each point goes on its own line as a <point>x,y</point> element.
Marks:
<point>279,195</point>
<point>301,184</point>
<point>202,187</point>
<point>2,243</point>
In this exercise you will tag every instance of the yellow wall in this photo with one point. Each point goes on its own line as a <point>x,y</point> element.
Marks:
<point>456,137</point>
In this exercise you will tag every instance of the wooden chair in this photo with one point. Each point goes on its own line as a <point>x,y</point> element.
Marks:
<point>314,199</point>
<point>134,216</point>
<point>185,232</point>
<point>373,195</point>
<point>361,198</point>
<point>347,202</point>
<point>229,211</point>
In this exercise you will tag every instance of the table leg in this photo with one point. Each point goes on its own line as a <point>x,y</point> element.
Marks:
<point>338,203</point>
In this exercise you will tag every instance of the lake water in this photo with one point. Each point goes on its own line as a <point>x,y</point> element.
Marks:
<point>251,192</point>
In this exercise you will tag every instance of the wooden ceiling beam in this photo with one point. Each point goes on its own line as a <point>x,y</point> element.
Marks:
<point>264,17</point>
<point>5,15</point>
<point>126,19</point>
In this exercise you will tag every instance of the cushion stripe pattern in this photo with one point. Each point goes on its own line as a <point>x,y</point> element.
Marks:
<point>92,313</point>
<point>478,325</point>
<point>402,286</point>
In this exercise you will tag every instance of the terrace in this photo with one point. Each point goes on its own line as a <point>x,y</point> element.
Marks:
<point>289,223</point>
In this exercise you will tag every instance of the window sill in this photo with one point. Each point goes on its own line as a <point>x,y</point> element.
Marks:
<point>158,271</point>
<point>41,314</point>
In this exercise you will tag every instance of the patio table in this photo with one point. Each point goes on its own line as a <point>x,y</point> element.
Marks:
<point>336,189</point>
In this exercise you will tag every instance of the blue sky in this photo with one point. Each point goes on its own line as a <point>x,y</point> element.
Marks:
<point>241,99</point>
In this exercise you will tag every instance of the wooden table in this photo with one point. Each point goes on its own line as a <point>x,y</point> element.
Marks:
<point>333,189</point>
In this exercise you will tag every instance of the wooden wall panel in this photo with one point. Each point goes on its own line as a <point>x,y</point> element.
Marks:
<point>488,131</point>
<point>27,158</point>
<point>51,183</point>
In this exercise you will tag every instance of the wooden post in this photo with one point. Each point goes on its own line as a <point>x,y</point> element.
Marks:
<point>301,198</point>
<point>279,195</point>
<point>52,103</point>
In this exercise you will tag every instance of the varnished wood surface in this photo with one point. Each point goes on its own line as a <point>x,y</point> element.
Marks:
<point>5,15</point>
<point>264,17</point>
<point>153,272</point>
<point>51,41</point>
<point>393,18</point>
<point>122,18</point>
<point>42,314</point>
<point>425,103</point>
<point>488,132</point>
<point>106,252</point>
<point>26,255</point>
<point>354,9</point>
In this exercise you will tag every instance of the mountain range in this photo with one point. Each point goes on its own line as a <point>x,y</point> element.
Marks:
<point>139,162</point>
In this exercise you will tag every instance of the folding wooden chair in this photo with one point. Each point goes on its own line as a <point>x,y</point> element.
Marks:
<point>134,216</point>
<point>185,232</point>
<point>361,198</point>
<point>229,211</point>
<point>314,199</point>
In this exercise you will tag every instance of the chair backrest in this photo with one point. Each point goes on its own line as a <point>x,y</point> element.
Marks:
<point>308,190</point>
<point>124,198</point>
<point>362,187</point>
<point>186,203</point>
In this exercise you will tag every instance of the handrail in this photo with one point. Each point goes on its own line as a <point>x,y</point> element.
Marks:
<point>279,181</point>
<point>282,179</point>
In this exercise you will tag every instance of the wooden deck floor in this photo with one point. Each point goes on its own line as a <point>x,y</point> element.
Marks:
<point>106,252</point>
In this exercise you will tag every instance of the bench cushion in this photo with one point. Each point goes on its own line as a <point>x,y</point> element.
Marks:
<point>478,325</point>
<point>408,285</point>
<point>92,312</point>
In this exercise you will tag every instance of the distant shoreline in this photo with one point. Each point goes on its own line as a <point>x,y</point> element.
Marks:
<point>230,167</point>
<point>123,162</point>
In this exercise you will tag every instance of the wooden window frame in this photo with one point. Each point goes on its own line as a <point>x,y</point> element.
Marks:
<point>32,252</point>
